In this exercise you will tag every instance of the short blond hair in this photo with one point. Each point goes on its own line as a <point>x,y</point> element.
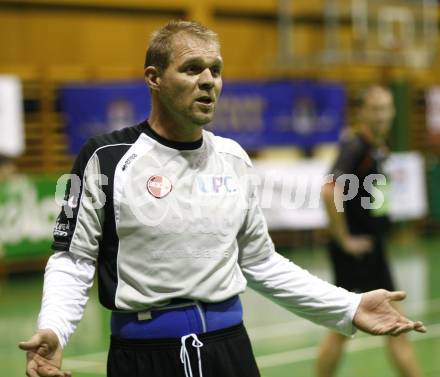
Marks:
<point>159,51</point>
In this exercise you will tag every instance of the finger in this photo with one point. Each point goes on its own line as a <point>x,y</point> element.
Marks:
<point>47,369</point>
<point>402,325</point>
<point>54,372</point>
<point>397,333</point>
<point>35,358</point>
<point>403,329</point>
<point>42,362</point>
<point>32,373</point>
<point>50,372</point>
<point>45,364</point>
<point>387,331</point>
<point>420,327</point>
<point>31,370</point>
<point>33,343</point>
<point>397,295</point>
<point>412,326</point>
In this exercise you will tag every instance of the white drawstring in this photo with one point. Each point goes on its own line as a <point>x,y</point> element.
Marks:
<point>184,355</point>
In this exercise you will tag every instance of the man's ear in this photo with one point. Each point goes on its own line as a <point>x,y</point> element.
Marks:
<point>152,77</point>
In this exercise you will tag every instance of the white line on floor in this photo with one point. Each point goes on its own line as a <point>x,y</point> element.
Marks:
<point>77,364</point>
<point>355,345</point>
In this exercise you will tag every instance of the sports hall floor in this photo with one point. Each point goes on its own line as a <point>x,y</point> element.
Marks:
<point>284,344</point>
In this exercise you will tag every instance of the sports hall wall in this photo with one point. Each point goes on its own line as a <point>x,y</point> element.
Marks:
<point>47,43</point>
<point>50,42</point>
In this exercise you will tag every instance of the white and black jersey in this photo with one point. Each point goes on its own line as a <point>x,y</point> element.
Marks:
<point>164,220</point>
<point>167,220</point>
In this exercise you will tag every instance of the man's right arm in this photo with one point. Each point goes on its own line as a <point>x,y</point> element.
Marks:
<point>70,270</point>
<point>67,282</point>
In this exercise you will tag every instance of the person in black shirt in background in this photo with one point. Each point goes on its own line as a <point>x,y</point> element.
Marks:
<point>359,226</point>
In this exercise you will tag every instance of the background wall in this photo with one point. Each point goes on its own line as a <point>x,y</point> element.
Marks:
<point>48,42</point>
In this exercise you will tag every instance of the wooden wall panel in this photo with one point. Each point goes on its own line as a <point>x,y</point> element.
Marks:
<point>48,42</point>
<point>58,38</point>
<point>245,55</point>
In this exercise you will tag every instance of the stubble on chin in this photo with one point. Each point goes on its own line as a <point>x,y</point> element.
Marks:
<point>202,118</point>
<point>202,121</point>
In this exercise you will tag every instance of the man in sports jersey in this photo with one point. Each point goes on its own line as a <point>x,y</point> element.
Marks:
<point>358,229</point>
<point>167,214</point>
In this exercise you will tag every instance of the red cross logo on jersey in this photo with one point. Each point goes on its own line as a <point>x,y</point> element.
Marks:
<point>159,186</point>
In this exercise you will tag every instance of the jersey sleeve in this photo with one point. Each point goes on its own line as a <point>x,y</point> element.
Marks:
<point>285,283</point>
<point>254,242</point>
<point>300,292</point>
<point>351,152</point>
<point>78,228</point>
<point>67,282</point>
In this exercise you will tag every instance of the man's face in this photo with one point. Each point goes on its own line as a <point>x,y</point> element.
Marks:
<point>191,84</point>
<point>378,112</point>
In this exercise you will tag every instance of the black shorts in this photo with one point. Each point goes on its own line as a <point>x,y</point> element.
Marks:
<point>225,353</point>
<point>361,274</point>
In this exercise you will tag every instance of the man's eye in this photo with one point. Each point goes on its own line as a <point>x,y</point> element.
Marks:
<point>192,69</point>
<point>215,71</point>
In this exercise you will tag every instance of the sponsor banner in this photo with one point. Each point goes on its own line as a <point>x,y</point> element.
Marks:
<point>28,213</point>
<point>290,191</point>
<point>11,116</point>
<point>96,108</point>
<point>265,114</point>
<point>255,114</point>
<point>408,191</point>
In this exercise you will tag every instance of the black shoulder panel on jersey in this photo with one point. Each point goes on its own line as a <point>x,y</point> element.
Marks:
<point>117,143</point>
<point>66,221</point>
<point>126,135</point>
<point>108,249</point>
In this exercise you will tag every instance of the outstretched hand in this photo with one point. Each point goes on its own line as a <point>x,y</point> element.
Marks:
<point>376,315</point>
<point>44,355</point>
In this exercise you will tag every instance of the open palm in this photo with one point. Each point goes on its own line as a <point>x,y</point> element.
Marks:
<point>376,315</point>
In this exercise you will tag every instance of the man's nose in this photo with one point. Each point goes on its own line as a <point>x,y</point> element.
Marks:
<point>206,79</point>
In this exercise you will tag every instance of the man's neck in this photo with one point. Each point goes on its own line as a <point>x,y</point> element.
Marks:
<point>171,130</point>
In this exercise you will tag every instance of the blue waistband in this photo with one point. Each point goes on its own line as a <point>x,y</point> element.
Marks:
<point>171,322</point>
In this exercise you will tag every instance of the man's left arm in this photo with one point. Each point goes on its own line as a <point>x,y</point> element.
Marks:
<point>306,295</point>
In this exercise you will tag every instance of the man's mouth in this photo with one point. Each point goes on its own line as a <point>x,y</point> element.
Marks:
<point>205,100</point>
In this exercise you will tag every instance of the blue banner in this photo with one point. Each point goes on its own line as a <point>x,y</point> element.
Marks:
<point>96,108</point>
<point>285,113</point>
<point>255,114</point>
